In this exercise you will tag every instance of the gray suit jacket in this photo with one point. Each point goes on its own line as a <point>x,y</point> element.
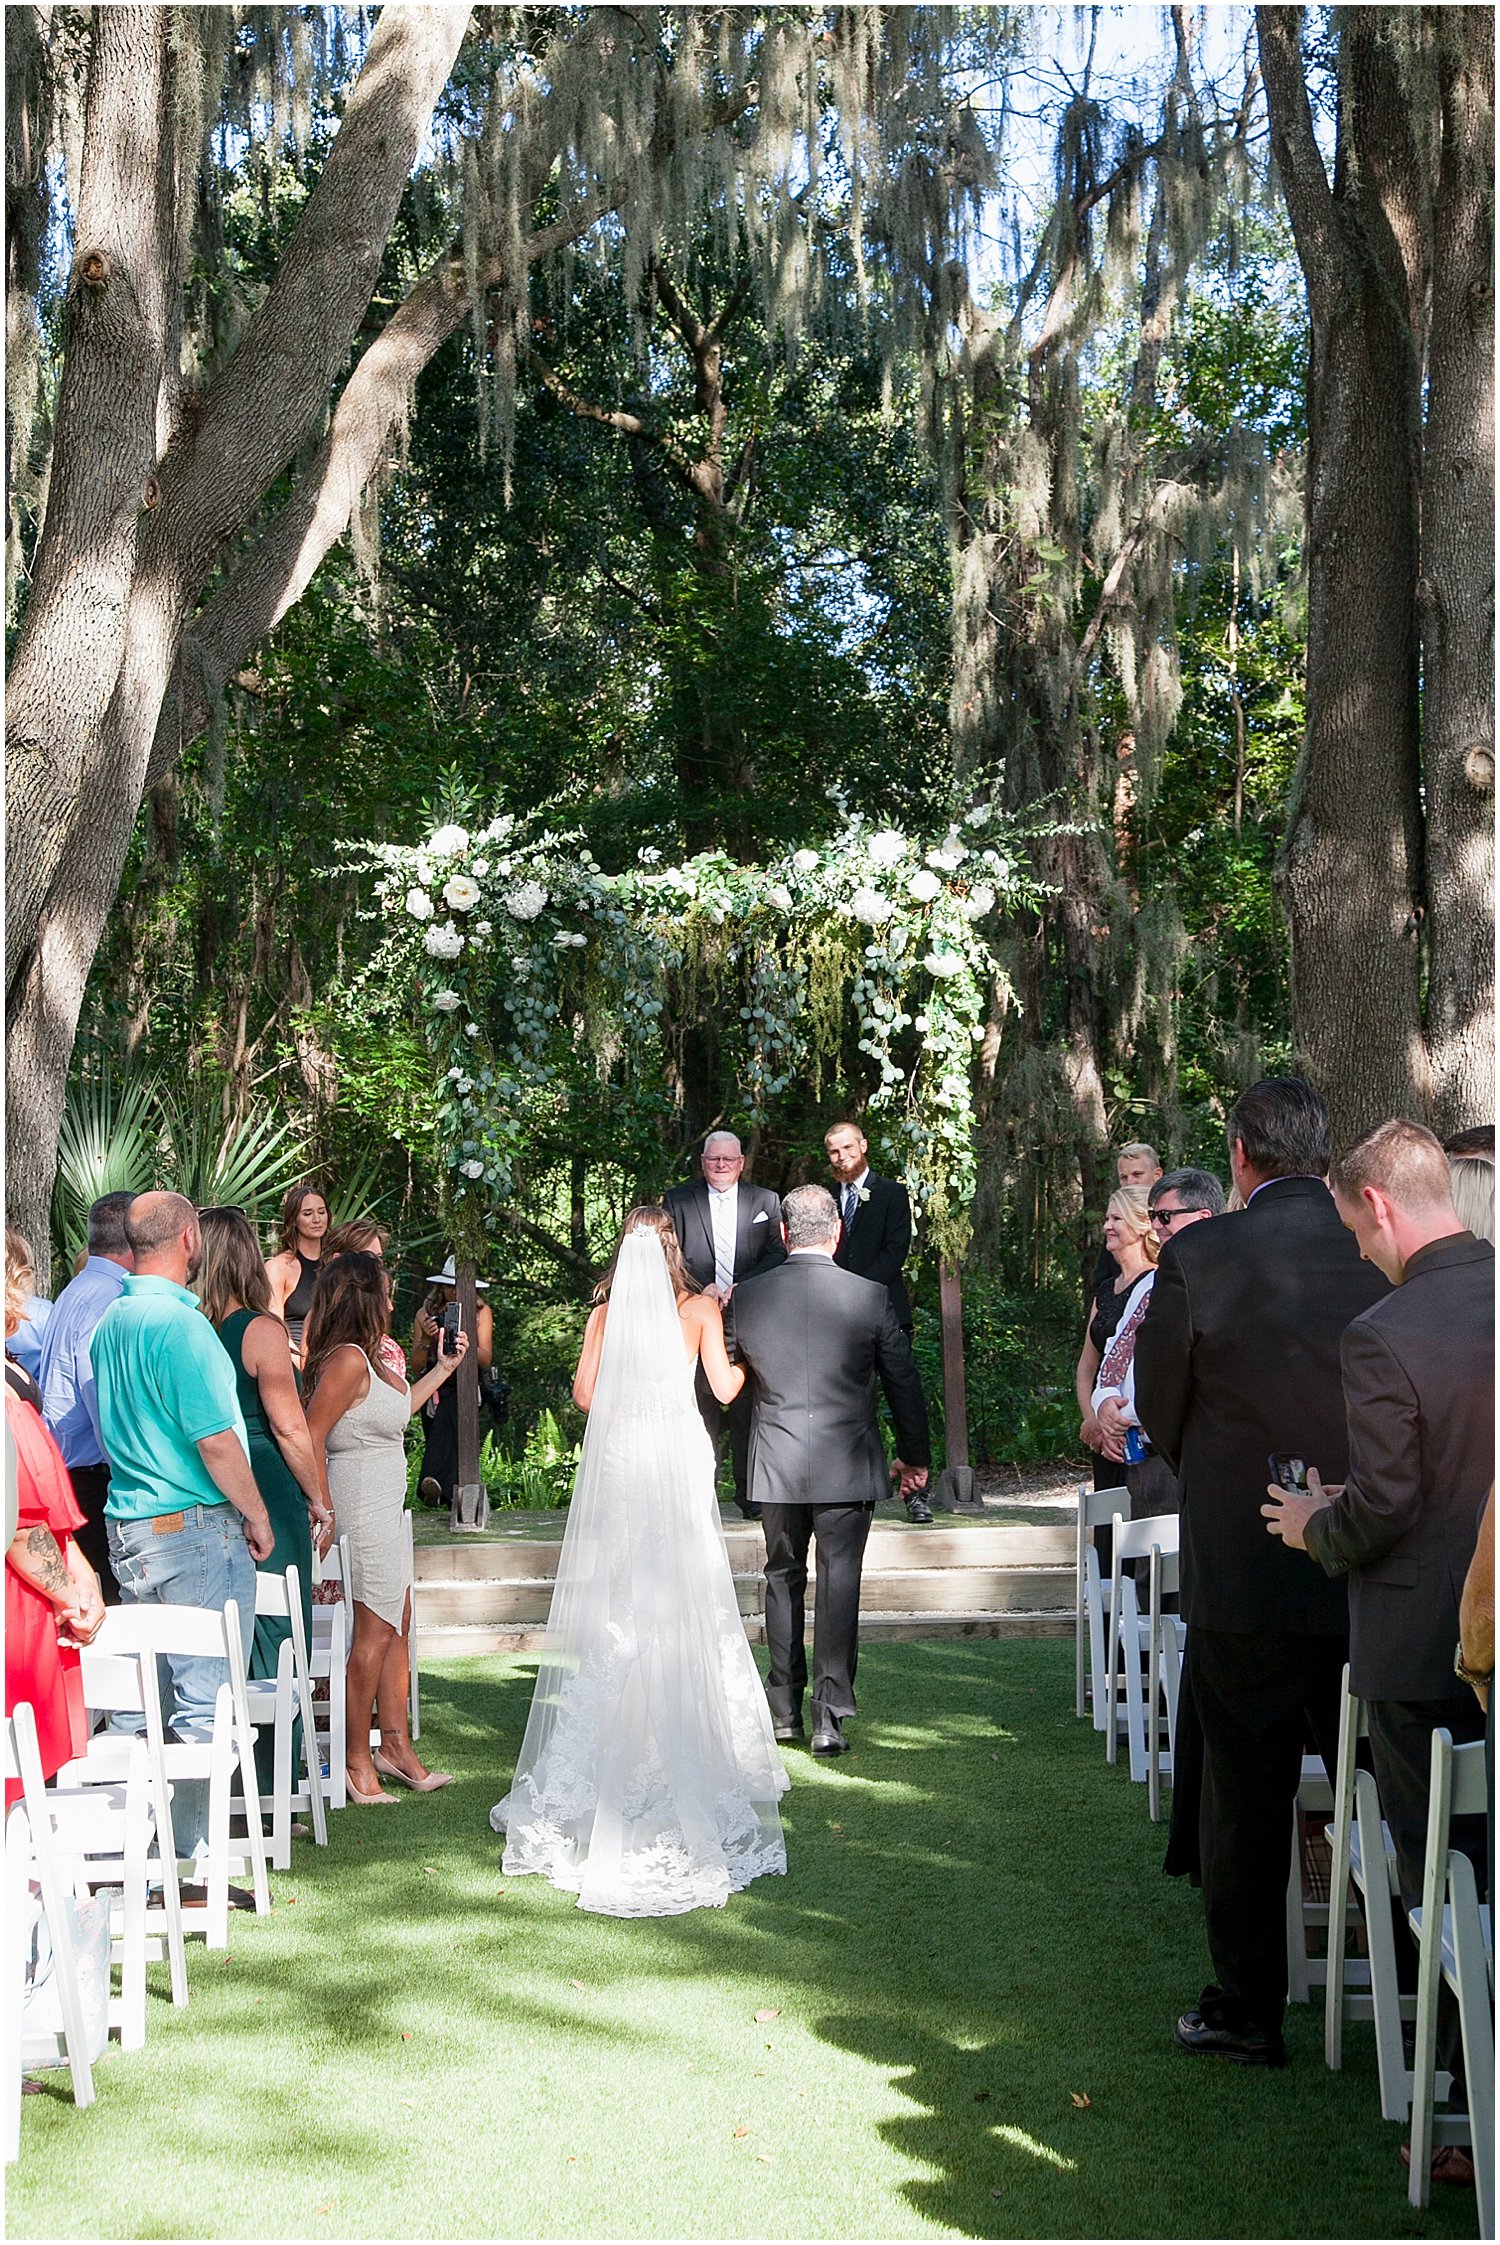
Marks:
<point>812,1338</point>
<point>1419,1386</point>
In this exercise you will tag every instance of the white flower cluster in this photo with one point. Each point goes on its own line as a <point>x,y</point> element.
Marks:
<point>887,848</point>
<point>419,904</point>
<point>449,841</point>
<point>443,941</point>
<point>870,907</point>
<point>525,900</point>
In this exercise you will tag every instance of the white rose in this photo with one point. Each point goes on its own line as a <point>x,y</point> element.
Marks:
<point>419,904</point>
<point>871,907</point>
<point>454,1074</point>
<point>472,1168</point>
<point>471,1029</point>
<point>481,867</point>
<point>946,860</point>
<point>483,927</point>
<point>446,1001</point>
<point>443,940</point>
<point>887,848</point>
<point>943,964</point>
<point>449,841</point>
<point>525,901</point>
<point>461,894</point>
<point>496,831</point>
<point>780,897</point>
<point>981,900</point>
<point>806,861</point>
<point>923,887</point>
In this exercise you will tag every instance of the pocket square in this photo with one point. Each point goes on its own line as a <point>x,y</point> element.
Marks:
<point>760,1217</point>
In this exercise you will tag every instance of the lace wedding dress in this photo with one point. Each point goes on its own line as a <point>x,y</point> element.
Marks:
<point>648,1778</point>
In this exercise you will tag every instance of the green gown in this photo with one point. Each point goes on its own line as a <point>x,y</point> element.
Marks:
<point>287,1506</point>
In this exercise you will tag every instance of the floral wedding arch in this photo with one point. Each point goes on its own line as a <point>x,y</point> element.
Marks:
<point>534,973</point>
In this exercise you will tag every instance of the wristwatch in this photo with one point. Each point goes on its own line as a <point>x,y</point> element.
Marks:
<point>1477,1679</point>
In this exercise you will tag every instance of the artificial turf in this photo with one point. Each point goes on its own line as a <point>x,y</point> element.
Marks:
<point>951,2018</point>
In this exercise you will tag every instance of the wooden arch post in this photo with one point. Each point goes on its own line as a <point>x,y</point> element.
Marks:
<point>955,1486</point>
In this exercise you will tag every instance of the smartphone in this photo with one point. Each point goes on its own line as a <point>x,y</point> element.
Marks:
<point>1288,1472</point>
<point>453,1325</point>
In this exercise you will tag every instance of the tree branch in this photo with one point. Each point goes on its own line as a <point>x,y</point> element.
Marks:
<point>1304,181</point>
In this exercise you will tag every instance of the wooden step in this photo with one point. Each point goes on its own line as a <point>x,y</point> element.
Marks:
<point>515,1557</point>
<point>457,1643</point>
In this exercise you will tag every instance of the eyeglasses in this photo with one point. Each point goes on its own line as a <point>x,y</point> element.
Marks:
<point>1160,1216</point>
<point>721,1161</point>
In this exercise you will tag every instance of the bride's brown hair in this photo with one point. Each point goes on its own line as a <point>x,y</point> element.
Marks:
<point>651,1217</point>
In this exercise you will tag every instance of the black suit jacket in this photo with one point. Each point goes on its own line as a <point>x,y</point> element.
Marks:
<point>757,1231</point>
<point>1238,1356</point>
<point>813,1338</point>
<point>878,1242</point>
<point>1419,1387</point>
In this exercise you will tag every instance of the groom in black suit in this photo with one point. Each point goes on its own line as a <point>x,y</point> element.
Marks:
<point>813,1338</point>
<point>726,1229</point>
<point>876,1236</point>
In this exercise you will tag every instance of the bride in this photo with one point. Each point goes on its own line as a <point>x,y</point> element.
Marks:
<point>648,1777</point>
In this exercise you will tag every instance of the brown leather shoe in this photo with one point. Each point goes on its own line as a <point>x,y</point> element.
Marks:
<point>1450,2164</point>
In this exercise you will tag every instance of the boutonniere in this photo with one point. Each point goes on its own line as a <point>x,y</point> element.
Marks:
<point>863,1193</point>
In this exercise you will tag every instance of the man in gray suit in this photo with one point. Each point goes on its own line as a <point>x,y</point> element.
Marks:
<point>1419,1388</point>
<point>813,1339</point>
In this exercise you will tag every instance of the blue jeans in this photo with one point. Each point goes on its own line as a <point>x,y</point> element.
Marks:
<point>203,1562</point>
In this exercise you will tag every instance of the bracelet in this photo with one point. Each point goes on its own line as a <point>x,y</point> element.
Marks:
<point>1477,1679</point>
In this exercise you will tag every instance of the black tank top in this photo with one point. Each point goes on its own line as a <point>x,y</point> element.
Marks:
<point>299,1301</point>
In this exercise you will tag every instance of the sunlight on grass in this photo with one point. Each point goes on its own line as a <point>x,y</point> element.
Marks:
<point>1022,2142</point>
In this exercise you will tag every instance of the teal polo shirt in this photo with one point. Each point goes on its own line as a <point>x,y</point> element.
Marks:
<point>164,1382</point>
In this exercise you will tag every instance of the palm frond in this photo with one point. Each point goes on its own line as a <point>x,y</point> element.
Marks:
<point>246,1165</point>
<point>107,1144</point>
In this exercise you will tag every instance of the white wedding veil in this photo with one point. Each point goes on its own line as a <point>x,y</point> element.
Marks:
<point>648,1775</point>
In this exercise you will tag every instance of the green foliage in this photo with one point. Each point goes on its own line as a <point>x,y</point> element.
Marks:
<point>246,1164</point>
<point>107,1144</point>
<point>541,1478</point>
<point>1020,1349</point>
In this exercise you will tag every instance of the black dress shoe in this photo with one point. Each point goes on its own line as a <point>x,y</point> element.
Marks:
<point>1226,2037</point>
<point>788,1734</point>
<point>918,1510</point>
<point>750,1511</point>
<point>827,1737</point>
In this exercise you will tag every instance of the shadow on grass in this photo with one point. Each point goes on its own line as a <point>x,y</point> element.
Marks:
<point>966,1981</point>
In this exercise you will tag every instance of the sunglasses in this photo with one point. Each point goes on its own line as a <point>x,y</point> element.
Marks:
<point>1160,1216</point>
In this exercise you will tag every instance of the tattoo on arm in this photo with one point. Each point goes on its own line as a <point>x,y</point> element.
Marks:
<point>49,1574</point>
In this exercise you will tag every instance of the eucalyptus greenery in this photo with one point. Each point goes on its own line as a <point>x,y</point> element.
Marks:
<point>541,979</point>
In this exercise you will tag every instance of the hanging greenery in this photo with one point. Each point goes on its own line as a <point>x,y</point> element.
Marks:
<point>542,982</point>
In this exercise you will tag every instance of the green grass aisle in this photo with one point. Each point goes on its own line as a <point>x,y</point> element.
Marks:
<point>973,1935</point>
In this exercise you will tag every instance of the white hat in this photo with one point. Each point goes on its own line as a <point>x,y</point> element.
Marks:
<point>448,1276</point>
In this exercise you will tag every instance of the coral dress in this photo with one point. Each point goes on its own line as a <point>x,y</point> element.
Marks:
<point>37,1667</point>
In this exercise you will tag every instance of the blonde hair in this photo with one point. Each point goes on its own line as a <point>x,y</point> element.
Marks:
<point>1472,1179</point>
<point>1138,1150</point>
<point>20,1278</point>
<point>1129,1204</point>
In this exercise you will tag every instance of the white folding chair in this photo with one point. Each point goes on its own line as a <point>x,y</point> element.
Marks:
<point>208,1633</point>
<point>30,1853</point>
<point>1128,1643</point>
<point>1453,1932</point>
<point>328,1657</point>
<point>278,1704</point>
<point>1166,1639</point>
<point>116,1682</point>
<point>1306,1970</point>
<point>1096,1508</point>
<point>1364,1856</point>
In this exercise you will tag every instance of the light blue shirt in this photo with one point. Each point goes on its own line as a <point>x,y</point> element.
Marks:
<point>165,1383</point>
<point>70,1404</point>
<point>25,1344</point>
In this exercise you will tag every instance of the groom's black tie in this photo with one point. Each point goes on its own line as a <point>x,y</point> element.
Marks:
<point>851,1205</point>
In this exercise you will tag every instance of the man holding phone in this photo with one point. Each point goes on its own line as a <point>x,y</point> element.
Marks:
<point>1237,1360</point>
<point>1419,1387</point>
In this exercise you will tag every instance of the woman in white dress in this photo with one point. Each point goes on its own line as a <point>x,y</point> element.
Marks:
<point>357,1407</point>
<point>648,1777</point>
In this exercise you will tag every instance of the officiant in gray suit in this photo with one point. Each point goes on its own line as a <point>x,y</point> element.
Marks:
<point>727,1229</point>
<point>813,1339</point>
